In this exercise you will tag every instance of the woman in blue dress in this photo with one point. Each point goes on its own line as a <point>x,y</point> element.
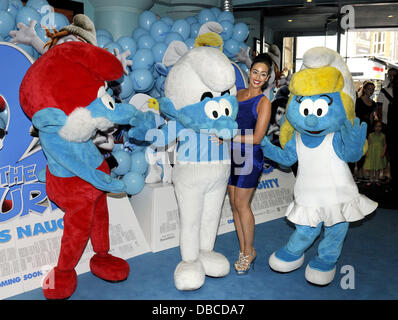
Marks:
<point>247,158</point>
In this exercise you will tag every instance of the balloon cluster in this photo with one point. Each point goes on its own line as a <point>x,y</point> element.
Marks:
<point>13,12</point>
<point>132,167</point>
<point>149,41</point>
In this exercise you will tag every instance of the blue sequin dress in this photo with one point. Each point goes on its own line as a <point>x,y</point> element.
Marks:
<point>247,160</point>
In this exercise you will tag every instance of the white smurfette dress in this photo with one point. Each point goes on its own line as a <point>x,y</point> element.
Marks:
<point>325,190</point>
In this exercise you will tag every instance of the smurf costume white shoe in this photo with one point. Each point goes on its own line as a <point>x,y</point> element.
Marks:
<point>284,261</point>
<point>319,272</point>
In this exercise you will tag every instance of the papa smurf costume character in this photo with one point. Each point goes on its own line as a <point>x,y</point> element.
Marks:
<point>322,133</point>
<point>199,103</point>
<point>64,94</point>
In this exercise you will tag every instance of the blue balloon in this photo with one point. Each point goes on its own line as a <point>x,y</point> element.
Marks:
<point>54,20</point>
<point>159,30</point>
<point>138,32</point>
<point>102,41</point>
<point>142,80</point>
<point>158,51</point>
<point>194,30</point>
<point>117,147</point>
<point>191,20</point>
<point>18,4</point>
<point>4,4</point>
<point>41,33</point>
<point>243,46</point>
<point>7,23</point>
<point>123,162</point>
<point>14,6</point>
<point>173,36</point>
<point>206,15</point>
<point>134,182</point>
<point>231,47</point>
<point>127,100</point>
<point>182,27</point>
<point>190,42</point>
<point>216,11</point>
<point>26,15</point>
<point>167,20</point>
<point>154,93</point>
<point>226,16</point>
<point>146,19</point>
<point>241,31</point>
<point>143,59</point>
<point>139,163</point>
<point>105,33</point>
<point>110,46</point>
<point>145,42</point>
<point>127,87</point>
<point>37,4</point>
<point>227,30</point>
<point>128,43</point>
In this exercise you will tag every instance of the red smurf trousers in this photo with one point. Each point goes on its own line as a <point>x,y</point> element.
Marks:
<point>86,216</point>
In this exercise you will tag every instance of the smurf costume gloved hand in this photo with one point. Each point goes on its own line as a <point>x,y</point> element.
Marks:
<point>321,133</point>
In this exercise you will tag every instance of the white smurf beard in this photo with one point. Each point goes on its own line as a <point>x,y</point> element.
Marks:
<point>80,126</point>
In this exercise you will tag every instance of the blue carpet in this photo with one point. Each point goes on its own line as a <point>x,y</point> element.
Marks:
<point>370,248</point>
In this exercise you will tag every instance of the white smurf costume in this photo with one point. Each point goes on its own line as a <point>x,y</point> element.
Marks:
<point>322,134</point>
<point>200,103</point>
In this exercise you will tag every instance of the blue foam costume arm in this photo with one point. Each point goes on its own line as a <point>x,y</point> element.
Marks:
<point>349,141</point>
<point>286,156</point>
<point>68,159</point>
<point>142,122</point>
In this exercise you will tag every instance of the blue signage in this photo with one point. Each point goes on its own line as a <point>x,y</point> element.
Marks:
<point>21,157</point>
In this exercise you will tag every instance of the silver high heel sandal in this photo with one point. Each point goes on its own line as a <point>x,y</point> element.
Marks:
<point>245,265</point>
<point>239,261</point>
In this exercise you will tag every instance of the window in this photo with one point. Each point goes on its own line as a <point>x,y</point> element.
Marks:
<point>379,41</point>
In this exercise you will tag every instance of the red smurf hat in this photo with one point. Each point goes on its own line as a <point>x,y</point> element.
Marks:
<point>67,77</point>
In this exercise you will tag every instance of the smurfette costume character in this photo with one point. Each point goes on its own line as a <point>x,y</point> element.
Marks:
<point>199,102</point>
<point>322,134</point>
<point>64,93</point>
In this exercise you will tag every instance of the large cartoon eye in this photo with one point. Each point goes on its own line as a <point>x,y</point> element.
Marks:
<point>106,99</point>
<point>213,110</point>
<point>306,107</point>
<point>321,107</point>
<point>225,107</point>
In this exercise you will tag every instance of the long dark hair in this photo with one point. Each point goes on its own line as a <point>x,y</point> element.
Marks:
<point>266,59</point>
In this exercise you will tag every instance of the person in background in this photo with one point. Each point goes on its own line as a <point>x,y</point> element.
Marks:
<point>385,98</point>
<point>375,159</point>
<point>392,146</point>
<point>247,158</point>
<point>366,111</point>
